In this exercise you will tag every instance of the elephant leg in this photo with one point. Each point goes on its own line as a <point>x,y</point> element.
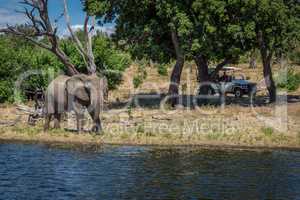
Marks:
<point>79,110</point>
<point>57,119</point>
<point>79,118</point>
<point>97,128</point>
<point>47,122</point>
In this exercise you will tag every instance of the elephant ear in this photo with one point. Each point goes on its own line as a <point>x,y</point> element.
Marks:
<point>76,86</point>
<point>98,92</point>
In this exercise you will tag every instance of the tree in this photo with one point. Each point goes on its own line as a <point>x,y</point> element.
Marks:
<point>36,11</point>
<point>221,34</point>
<point>56,53</point>
<point>150,29</point>
<point>18,56</point>
<point>206,31</point>
<point>277,26</point>
<point>109,60</point>
<point>232,28</point>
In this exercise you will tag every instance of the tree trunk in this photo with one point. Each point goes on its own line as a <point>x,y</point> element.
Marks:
<point>202,68</point>
<point>252,62</point>
<point>221,65</point>
<point>269,77</point>
<point>203,75</point>
<point>266,56</point>
<point>176,73</point>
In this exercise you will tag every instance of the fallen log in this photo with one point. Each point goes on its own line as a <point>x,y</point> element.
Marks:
<point>26,109</point>
<point>34,113</point>
<point>10,123</point>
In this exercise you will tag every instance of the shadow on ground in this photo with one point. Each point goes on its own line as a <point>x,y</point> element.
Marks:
<point>155,101</point>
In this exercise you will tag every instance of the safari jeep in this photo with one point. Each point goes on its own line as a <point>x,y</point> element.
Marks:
<point>230,83</point>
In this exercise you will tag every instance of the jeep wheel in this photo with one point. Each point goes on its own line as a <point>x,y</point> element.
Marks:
<point>238,93</point>
<point>210,91</point>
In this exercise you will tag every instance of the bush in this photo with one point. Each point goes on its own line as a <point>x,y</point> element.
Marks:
<point>294,56</point>
<point>137,81</point>
<point>18,56</point>
<point>6,91</point>
<point>289,81</point>
<point>162,69</point>
<point>141,74</point>
<point>268,131</point>
<point>110,60</point>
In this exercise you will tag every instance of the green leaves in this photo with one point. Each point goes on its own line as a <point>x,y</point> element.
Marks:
<point>289,80</point>
<point>110,60</point>
<point>279,22</point>
<point>96,7</point>
<point>214,28</point>
<point>183,24</point>
<point>18,57</point>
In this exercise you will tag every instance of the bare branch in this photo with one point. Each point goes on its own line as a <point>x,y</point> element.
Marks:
<point>37,13</point>
<point>85,51</point>
<point>73,35</point>
<point>26,2</point>
<point>89,35</point>
<point>14,31</point>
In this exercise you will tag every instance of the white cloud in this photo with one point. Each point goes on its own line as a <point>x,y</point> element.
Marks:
<point>104,29</point>
<point>10,17</point>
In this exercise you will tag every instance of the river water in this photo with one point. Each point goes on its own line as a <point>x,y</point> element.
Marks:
<point>127,172</point>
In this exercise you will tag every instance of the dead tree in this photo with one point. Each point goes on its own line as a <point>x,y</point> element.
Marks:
<point>86,51</point>
<point>36,11</point>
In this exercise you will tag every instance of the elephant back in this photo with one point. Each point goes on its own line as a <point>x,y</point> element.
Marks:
<point>55,95</point>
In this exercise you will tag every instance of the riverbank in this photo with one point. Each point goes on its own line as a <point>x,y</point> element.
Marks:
<point>63,139</point>
<point>139,117</point>
<point>88,141</point>
<point>252,128</point>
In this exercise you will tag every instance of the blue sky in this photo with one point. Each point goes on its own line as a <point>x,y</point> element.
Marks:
<point>9,16</point>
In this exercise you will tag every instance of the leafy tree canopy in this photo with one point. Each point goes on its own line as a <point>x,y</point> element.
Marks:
<point>213,28</point>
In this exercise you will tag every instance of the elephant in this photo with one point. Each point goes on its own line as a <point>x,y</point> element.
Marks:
<point>66,93</point>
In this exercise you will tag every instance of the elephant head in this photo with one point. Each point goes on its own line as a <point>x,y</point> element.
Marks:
<point>89,91</point>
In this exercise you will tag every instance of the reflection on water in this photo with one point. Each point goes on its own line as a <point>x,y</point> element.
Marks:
<point>39,172</point>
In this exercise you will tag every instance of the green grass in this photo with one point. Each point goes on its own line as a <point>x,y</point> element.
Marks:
<point>268,131</point>
<point>141,128</point>
<point>214,136</point>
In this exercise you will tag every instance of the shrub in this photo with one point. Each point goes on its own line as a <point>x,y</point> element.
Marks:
<point>6,91</point>
<point>141,74</point>
<point>289,81</point>
<point>18,56</point>
<point>268,131</point>
<point>137,81</point>
<point>110,60</point>
<point>294,56</point>
<point>162,69</point>
<point>141,128</point>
